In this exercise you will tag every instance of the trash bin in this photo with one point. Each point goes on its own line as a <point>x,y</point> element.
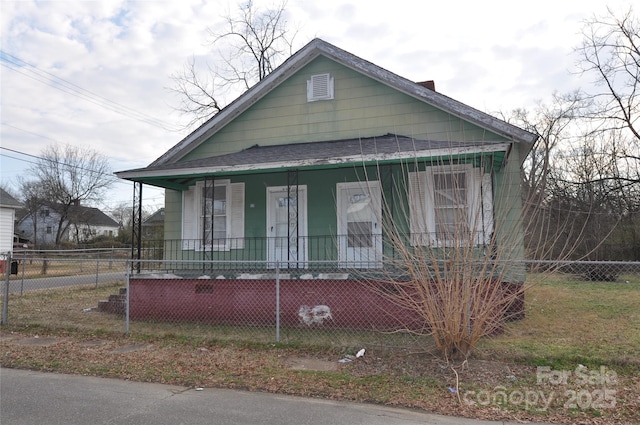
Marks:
<point>14,267</point>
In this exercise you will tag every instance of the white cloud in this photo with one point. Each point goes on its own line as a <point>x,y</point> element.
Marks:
<point>494,55</point>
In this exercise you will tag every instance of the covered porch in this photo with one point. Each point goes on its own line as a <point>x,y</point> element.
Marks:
<point>334,201</point>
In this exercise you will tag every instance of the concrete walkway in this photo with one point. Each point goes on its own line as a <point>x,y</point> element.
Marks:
<point>28,397</point>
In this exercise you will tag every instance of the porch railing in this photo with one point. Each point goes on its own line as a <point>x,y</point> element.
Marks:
<point>366,250</point>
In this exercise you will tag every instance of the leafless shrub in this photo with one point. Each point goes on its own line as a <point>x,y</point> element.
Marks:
<point>455,248</point>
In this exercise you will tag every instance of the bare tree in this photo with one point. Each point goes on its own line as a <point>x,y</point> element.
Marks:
<point>610,53</point>
<point>33,200</point>
<point>254,43</point>
<point>67,176</point>
<point>559,126</point>
<point>123,214</point>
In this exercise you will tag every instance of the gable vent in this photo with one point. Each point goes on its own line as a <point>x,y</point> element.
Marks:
<point>320,87</point>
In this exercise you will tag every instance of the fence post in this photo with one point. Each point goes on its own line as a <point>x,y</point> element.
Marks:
<point>24,265</point>
<point>5,304</point>
<point>277,302</point>
<point>97,270</point>
<point>126,305</point>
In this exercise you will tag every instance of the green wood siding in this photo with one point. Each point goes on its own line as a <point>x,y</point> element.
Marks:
<point>362,107</point>
<point>172,214</point>
<point>508,210</point>
<point>321,207</point>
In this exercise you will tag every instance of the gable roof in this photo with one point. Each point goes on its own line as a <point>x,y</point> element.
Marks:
<point>155,219</point>
<point>79,214</point>
<point>91,216</point>
<point>318,47</point>
<point>8,201</point>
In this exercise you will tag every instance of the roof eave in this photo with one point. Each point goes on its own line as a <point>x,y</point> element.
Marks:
<point>141,174</point>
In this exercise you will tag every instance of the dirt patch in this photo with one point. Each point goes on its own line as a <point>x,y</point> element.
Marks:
<point>130,348</point>
<point>415,365</point>
<point>91,343</point>
<point>300,363</point>
<point>7,337</point>
<point>37,341</point>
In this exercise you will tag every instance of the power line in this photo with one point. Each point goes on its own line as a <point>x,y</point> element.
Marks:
<point>55,162</point>
<point>31,71</point>
<point>35,156</point>
<point>31,132</point>
<point>115,180</point>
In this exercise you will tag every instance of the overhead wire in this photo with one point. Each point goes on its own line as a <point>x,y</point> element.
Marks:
<point>22,67</point>
<point>115,180</point>
<point>40,157</point>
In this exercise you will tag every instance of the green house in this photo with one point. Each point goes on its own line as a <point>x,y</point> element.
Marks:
<point>332,158</point>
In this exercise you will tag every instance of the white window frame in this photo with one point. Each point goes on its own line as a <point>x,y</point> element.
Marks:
<point>422,208</point>
<point>193,220</point>
<point>367,257</point>
<point>320,81</point>
<point>200,186</point>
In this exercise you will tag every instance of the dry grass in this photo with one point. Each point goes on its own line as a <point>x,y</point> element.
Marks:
<point>568,323</point>
<point>33,268</point>
<point>65,308</point>
<point>74,309</point>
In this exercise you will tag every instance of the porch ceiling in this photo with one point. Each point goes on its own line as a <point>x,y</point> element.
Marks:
<point>316,155</point>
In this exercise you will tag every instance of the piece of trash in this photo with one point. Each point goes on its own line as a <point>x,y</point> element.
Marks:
<point>199,389</point>
<point>314,315</point>
<point>511,377</point>
<point>452,390</point>
<point>87,309</point>
<point>360,353</point>
<point>345,360</point>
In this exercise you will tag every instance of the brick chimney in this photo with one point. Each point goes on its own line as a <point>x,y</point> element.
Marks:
<point>430,84</point>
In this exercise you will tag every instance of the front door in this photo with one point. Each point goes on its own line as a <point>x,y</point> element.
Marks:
<point>287,226</point>
<point>359,210</point>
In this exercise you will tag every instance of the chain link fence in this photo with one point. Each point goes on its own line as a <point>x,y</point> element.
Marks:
<point>314,303</point>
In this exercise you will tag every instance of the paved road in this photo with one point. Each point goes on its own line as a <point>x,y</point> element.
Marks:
<point>34,398</point>
<point>19,285</point>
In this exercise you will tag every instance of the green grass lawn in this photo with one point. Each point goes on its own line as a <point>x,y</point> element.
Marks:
<point>569,321</point>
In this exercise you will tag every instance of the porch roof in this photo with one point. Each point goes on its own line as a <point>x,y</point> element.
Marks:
<point>315,155</point>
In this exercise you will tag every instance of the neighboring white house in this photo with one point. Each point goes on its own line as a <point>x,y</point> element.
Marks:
<point>8,206</point>
<point>83,224</point>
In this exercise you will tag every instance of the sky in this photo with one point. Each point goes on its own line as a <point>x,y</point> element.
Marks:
<point>97,74</point>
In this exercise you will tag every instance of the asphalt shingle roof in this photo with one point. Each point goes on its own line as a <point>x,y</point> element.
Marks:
<point>318,152</point>
<point>91,216</point>
<point>7,200</point>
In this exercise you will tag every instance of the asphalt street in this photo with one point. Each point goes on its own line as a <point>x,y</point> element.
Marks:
<point>19,285</point>
<point>36,398</point>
